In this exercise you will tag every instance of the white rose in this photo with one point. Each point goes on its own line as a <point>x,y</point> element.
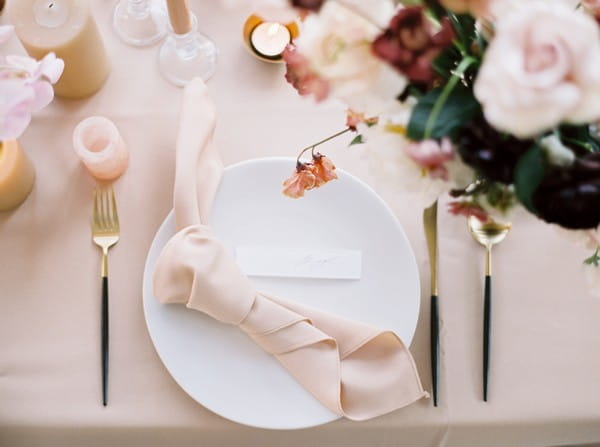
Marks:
<point>541,68</point>
<point>337,44</point>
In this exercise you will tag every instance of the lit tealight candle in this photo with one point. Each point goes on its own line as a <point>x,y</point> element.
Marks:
<point>269,39</point>
<point>100,147</point>
<point>16,175</point>
<point>67,28</point>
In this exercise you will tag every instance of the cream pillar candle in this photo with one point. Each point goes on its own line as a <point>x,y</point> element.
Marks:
<point>180,16</point>
<point>16,175</point>
<point>102,150</point>
<point>67,28</point>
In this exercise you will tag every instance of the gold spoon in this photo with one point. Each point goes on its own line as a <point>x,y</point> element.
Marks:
<point>488,234</point>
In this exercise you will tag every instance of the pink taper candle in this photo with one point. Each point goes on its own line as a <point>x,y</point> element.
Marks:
<point>101,148</point>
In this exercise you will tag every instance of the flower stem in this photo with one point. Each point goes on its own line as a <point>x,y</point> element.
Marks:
<point>439,104</point>
<point>325,140</point>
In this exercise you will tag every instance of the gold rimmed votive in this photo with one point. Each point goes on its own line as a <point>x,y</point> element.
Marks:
<point>266,40</point>
<point>16,175</point>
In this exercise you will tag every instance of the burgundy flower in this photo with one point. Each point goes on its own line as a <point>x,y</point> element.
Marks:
<point>301,76</point>
<point>310,5</point>
<point>468,209</point>
<point>410,44</point>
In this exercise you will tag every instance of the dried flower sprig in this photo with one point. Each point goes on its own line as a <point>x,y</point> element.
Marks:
<point>313,174</point>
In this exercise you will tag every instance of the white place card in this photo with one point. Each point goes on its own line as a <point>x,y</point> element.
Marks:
<point>299,262</point>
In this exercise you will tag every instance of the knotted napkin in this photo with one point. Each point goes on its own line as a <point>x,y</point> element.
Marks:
<point>353,369</point>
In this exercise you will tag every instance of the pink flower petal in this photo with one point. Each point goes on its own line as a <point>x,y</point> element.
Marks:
<point>6,32</point>
<point>15,101</point>
<point>24,63</point>
<point>51,68</point>
<point>43,95</point>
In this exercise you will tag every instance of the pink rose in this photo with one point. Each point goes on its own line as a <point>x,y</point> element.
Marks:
<point>432,156</point>
<point>541,69</point>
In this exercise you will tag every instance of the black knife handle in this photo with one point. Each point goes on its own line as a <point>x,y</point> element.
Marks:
<point>435,347</point>
<point>487,326</point>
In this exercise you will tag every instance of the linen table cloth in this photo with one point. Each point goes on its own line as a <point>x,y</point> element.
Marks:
<point>545,378</point>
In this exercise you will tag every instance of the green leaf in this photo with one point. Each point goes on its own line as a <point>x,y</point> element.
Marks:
<point>446,62</point>
<point>464,26</point>
<point>579,136</point>
<point>529,173</point>
<point>459,107</point>
<point>593,260</point>
<point>436,9</point>
<point>357,140</point>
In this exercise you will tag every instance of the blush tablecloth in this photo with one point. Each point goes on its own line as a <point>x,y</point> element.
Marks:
<point>545,379</point>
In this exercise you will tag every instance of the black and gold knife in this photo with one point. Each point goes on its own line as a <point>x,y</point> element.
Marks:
<point>430,225</point>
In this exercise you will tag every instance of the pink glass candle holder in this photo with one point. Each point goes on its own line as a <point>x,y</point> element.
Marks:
<point>100,147</point>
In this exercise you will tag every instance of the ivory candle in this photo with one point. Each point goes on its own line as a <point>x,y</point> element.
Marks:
<point>16,175</point>
<point>180,16</point>
<point>269,39</point>
<point>67,28</point>
<point>100,147</point>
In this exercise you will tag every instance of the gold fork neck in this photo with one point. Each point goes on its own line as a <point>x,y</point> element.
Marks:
<point>104,262</point>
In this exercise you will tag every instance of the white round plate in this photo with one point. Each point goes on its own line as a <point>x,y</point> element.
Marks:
<point>218,365</point>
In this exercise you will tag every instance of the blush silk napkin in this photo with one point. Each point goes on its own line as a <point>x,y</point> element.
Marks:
<point>355,370</point>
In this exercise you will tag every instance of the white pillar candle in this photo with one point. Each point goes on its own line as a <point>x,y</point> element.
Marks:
<point>270,39</point>
<point>67,28</point>
<point>100,147</point>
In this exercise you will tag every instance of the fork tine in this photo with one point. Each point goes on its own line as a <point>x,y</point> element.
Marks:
<point>104,214</point>
<point>115,214</point>
<point>96,209</point>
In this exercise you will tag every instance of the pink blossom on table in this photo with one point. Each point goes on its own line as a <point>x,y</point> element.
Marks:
<point>541,69</point>
<point>432,156</point>
<point>302,179</point>
<point>25,88</point>
<point>15,107</point>
<point>6,32</point>
<point>323,169</point>
<point>468,209</point>
<point>300,75</point>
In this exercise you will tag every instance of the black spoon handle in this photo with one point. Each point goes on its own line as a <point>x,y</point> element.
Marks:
<point>487,314</point>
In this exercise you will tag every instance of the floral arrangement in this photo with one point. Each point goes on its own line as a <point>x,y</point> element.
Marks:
<point>496,102</point>
<point>25,88</point>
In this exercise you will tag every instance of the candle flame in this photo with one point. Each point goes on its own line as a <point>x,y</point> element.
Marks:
<point>272,30</point>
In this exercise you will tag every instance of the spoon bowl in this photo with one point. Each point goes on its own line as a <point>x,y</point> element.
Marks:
<point>488,233</point>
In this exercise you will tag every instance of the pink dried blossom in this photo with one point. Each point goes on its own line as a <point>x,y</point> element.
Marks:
<point>432,156</point>
<point>323,169</point>
<point>468,209</point>
<point>301,180</point>
<point>302,77</point>
<point>353,119</point>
